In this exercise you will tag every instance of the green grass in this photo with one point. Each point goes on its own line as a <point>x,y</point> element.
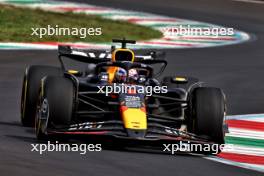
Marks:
<point>16,24</point>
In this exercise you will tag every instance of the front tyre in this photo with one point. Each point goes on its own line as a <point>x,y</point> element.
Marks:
<point>208,113</point>
<point>55,105</point>
<point>30,88</point>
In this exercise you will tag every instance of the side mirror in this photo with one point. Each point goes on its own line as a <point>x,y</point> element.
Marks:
<point>64,49</point>
<point>157,54</point>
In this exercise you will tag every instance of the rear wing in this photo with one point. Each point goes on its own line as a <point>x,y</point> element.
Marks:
<point>96,56</point>
<point>89,56</point>
<point>99,56</point>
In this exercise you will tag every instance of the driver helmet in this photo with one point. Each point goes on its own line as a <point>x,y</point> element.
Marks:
<point>120,75</point>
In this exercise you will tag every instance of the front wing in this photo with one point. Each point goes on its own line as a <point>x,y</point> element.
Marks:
<point>115,129</point>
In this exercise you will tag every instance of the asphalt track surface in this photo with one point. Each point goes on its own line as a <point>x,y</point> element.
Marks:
<point>238,69</point>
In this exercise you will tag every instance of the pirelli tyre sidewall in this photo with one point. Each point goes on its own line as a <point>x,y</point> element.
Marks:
<point>30,88</point>
<point>55,107</point>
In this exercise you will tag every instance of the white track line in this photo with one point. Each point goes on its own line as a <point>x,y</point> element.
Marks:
<point>238,164</point>
<point>251,1</point>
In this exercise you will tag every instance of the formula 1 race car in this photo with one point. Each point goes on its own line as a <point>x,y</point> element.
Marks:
<point>85,100</point>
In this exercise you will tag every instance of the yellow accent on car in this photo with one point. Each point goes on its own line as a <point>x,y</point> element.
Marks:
<point>42,87</point>
<point>180,79</point>
<point>111,73</point>
<point>73,71</point>
<point>122,50</point>
<point>25,97</point>
<point>134,118</point>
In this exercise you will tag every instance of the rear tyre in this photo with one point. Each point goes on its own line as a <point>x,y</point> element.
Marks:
<point>30,88</point>
<point>55,105</point>
<point>208,112</point>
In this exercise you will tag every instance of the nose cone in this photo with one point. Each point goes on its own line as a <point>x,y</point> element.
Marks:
<point>134,118</point>
<point>136,133</point>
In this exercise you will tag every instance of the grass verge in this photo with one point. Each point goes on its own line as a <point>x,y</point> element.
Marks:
<point>16,26</point>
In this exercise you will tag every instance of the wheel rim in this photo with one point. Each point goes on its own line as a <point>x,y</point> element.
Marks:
<point>42,117</point>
